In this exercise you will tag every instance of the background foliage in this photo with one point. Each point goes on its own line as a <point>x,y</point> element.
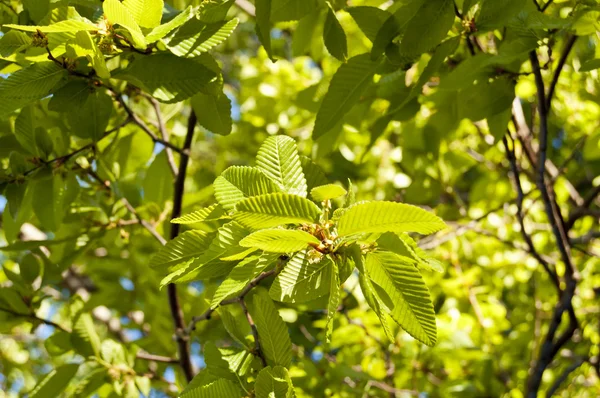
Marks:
<point>117,116</point>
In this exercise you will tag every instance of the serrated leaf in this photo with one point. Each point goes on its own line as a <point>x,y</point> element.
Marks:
<point>71,25</point>
<point>275,209</point>
<point>428,27</point>
<point>273,382</point>
<point>393,26</point>
<point>186,246</point>
<point>273,334</point>
<point>327,192</point>
<point>147,13</point>
<point>210,213</point>
<point>315,176</point>
<point>85,339</point>
<point>279,240</point>
<point>236,325</point>
<point>13,41</point>
<point>369,19</point>
<point>91,382</point>
<point>154,73</point>
<point>70,96</point>
<point>403,293</point>
<point>346,88</point>
<point>118,14</point>
<point>55,382</point>
<point>90,118</point>
<point>239,277</point>
<point>369,217</point>
<point>240,182</point>
<point>195,37</point>
<point>29,84</point>
<point>263,24</point>
<point>215,364</point>
<point>334,36</point>
<point>163,30</point>
<point>278,159</point>
<point>83,46</point>
<point>213,112</point>
<point>403,245</point>
<point>334,300</point>
<point>302,280</point>
<point>219,388</point>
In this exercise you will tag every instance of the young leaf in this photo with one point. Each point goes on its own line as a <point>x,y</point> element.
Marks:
<point>154,73</point>
<point>272,331</point>
<point>195,37</point>
<point>84,338</point>
<point>279,240</point>
<point>147,13</point>
<point>326,192</point>
<point>186,246</point>
<point>428,27</point>
<point>302,280</point>
<point>334,300</point>
<point>403,245</point>
<point>273,382</point>
<point>278,159</point>
<point>369,217</point>
<point>210,213</point>
<point>71,25</point>
<point>55,382</point>
<point>334,36</point>
<point>118,14</point>
<point>13,41</point>
<point>275,209</point>
<point>403,294</point>
<point>315,176</point>
<point>240,182</point>
<point>161,31</point>
<point>219,388</point>
<point>213,112</point>
<point>347,85</point>
<point>83,46</point>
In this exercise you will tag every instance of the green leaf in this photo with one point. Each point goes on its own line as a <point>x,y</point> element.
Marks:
<point>163,30</point>
<point>147,13</point>
<point>403,293</point>
<point>428,27</point>
<point>273,334</point>
<point>240,276</point>
<point>235,324</point>
<point>195,37</point>
<point>334,36</point>
<point>370,217</point>
<point>291,10</point>
<point>59,343</point>
<point>55,382</point>
<point>43,143</point>
<point>279,240</point>
<point>494,14</point>
<point>240,182</point>
<point>486,99</point>
<point>335,298</point>
<point>71,25</point>
<point>346,88</point>
<point>29,84</point>
<point>84,338</point>
<point>278,159</point>
<point>84,46</point>
<point>369,19</point>
<point>154,73</point>
<point>91,118</point>
<point>275,209</point>
<point>210,213</point>
<point>215,364</point>
<point>13,41</point>
<point>585,67</point>
<point>214,11</point>
<point>158,182</point>
<point>273,382</point>
<point>263,24</point>
<point>91,382</point>
<point>52,196</point>
<point>70,96</point>
<point>219,388</point>
<point>393,26</point>
<point>10,299</point>
<point>315,176</point>
<point>118,14</point>
<point>37,8</point>
<point>186,246</point>
<point>302,279</point>
<point>403,245</point>
<point>327,192</point>
<point>213,112</point>
<point>25,127</point>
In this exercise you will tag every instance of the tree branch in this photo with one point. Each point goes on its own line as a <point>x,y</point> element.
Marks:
<point>162,128</point>
<point>257,348</point>
<point>36,318</point>
<point>179,188</point>
<point>155,358</point>
<point>561,63</point>
<point>554,388</point>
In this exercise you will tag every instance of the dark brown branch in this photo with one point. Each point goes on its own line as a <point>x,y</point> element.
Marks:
<point>561,63</point>
<point>34,317</point>
<point>561,379</point>
<point>257,348</point>
<point>179,188</point>
<point>546,5</point>
<point>510,154</point>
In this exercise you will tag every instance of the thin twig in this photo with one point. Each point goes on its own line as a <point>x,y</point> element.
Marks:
<point>144,223</point>
<point>561,63</point>
<point>155,358</point>
<point>164,134</point>
<point>36,318</point>
<point>257,347</point>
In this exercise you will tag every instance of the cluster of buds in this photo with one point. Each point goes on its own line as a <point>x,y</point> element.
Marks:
<point>39,39</point>
<point>469,25</point>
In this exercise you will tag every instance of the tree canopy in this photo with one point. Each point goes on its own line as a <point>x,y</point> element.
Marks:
<point>299,198</point>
